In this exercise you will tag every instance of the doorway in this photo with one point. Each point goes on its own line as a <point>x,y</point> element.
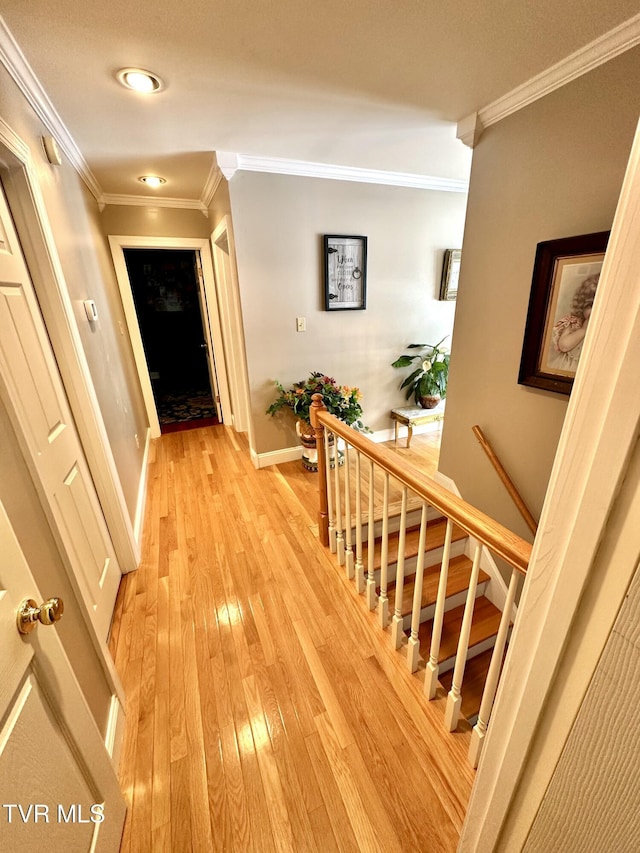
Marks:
<point>169,306</point>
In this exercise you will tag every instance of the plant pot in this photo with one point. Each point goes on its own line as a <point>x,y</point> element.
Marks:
<point>309,450</point>
<point>430,401</point>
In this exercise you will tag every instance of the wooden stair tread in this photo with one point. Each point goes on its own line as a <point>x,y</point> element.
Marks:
<point>414,503</point>
<point>457,581</point>
<point>475,677</point>
<point>486,621</point>
<point>435,539</point>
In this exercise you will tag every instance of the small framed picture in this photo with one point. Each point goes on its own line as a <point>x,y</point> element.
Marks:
<point>450,275</point>
<point>345,273</point>
<point>565,279</point>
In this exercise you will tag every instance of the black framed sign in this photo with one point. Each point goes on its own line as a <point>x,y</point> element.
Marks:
<point>450,274</point>
<point>345,272</point>
<point>565,278</point>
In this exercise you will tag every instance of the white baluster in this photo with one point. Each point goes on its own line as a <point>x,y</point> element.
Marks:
<point>329,436</point>
<point>454,699</point>
<point>348,551</point>
<point>396,625</point>
<point>339,536</point>
<point>431,675</point>
<point>383,601</point>
<point>359,563</point>
<point>491,685</point>
<point>372,596</point>
<point>413,649</point>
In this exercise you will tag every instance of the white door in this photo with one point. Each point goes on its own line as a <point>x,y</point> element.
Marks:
<point>208,341</point>
<point>58,788</point>
<point>36,400</point>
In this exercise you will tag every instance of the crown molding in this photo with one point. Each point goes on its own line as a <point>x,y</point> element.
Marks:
<point>596,53</point>
<point>304,169</point>
<point>148,201</point>
<point>470,130</point>
<point>16,64</point>
<point>211,185</point>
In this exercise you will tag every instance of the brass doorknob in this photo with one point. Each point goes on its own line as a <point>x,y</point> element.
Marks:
<point>29,613</point>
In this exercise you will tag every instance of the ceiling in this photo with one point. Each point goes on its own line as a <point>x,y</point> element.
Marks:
<point>376,85</point>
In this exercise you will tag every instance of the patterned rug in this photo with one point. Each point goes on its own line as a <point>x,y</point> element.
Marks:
<point>190,405</point>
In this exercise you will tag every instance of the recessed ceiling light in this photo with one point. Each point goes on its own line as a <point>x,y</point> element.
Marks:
<point>140,80</point>
<point>152,181</point>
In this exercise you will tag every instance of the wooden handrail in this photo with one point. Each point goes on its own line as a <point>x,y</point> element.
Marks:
<point>499,539</point>
<point>508,483</point>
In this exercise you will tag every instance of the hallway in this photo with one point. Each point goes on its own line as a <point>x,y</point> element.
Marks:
<point>264,713</point>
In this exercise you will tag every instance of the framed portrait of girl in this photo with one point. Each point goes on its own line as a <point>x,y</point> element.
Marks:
<point>565,281</point>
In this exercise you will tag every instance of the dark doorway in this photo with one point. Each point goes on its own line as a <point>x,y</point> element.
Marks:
<point>167,297</point>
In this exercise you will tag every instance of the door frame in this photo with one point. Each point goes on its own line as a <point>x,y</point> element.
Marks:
<point>571,596</point>
<point>118,243</point>
<point>43,265</point>
<point>31,219</point>
<point>230,307</point>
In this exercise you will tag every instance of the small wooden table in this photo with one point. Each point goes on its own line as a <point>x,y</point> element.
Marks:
<point>415,416</point>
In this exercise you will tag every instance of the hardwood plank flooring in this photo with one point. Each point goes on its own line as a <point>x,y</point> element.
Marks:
<point>265,709</point>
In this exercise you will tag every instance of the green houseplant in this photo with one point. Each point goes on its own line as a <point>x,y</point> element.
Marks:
<point>427,383</point>
<point>340,400</point>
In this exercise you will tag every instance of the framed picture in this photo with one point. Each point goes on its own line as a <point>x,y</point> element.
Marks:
<point>345,273</point>
<point>450,275</point>
<point>565,278</point>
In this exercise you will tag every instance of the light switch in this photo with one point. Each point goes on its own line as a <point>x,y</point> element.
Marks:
<point>301,324</point>
<point>91,310</point>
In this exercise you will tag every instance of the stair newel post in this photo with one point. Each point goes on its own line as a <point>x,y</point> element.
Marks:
<point>413,649</point>
<point>396,625</point>
<point>491,684</point>
<point>348,529</point>
<point>323,515</point>
<point>383,600</point>
<point>372,596</point>
<point>454,699</point>
<point>359,564</point>
<point>431,675</point>
<point>329,463</point>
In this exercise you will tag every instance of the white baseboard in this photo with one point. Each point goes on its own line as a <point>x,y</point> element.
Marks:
<point>115,731</point>
<point>275,457</point>
<point>447,483</point>
<point>142,489</point>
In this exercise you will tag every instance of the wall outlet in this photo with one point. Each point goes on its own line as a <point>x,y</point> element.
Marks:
<point>301,324</point>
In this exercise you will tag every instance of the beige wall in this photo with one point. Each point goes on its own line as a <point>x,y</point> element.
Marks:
<point>552,170</point>
<point>88,272</point>
<point>73,214</point>
<point>134,221</point>
<point>220,205</point>
<point>278,224</point>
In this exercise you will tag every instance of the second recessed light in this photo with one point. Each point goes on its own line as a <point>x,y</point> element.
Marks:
<point>152,181</point>
<point>140,80</point>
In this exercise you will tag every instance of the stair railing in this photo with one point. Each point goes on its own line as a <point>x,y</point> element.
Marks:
<point>336,530</point>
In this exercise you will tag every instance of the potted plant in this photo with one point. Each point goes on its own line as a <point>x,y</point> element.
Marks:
<point>340,400</point>
<point>428,381</point>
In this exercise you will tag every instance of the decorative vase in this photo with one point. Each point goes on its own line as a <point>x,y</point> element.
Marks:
<point>430,401</point>
<point>307,436</point>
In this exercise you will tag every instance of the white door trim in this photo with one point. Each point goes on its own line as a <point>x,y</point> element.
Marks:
<point>118,244</point>
<point>228,290</point>
<point>38,244</point>
<point>598,437</point>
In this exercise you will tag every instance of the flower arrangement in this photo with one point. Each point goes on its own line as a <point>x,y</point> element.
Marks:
<point>340,400</point>
<point>430,377</point>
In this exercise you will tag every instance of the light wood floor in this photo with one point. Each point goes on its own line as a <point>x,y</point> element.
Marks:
<point>265,710</point>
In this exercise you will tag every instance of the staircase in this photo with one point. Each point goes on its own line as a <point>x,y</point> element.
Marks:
<point>486,616</point>
<point>423,559</point>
